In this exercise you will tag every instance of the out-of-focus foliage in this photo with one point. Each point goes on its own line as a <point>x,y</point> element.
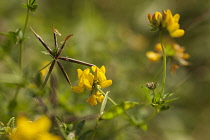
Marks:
<point>114,33</point>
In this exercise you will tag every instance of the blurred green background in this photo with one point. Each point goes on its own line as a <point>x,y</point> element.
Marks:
<point>114,33</point>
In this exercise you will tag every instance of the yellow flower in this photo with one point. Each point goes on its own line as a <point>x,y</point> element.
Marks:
<point>153,56</point>
<point>87,80</point>
<point>168,21</point>
<point>100,78</point>
<point>155,19</point>
<point>90,81</point>
<point>173,50</point>
<point>180,56</point>
<point>100,97</point>
<point>158,47</point>
<point>94,99</point>
<point>37,130</point>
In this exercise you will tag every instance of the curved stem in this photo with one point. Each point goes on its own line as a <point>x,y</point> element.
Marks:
<point>164,62</point>
<point>150,117</point>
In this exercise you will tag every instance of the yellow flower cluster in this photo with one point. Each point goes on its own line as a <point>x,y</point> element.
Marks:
<point>90,81</point>
<point>94,99</point>
<point>168,21</point>
<point>174,50</point>
<point>36,130</point>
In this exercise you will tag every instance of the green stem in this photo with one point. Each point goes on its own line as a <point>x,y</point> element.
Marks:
<point>21,50</point>
<point>150,117</point>
<point>97,121</point>
<point>113,102</point>
<point>21,42</point>
<point>164,63</point>
<point>62,132</point>
<point>94,132</point>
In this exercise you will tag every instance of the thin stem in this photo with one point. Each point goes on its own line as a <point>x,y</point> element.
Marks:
<point>150,117</point>
<point>48,74</point>
<point>62,131</point>
<point>55,39</point>
<point>21,42</point>
<point>164,62</point>
<point>75,61</point>
<point>43,43</point>
<point>64,73</point>
<point>113,102</point>
<point>94,132</point>
<point>43,68</point>
<point>21,50</point>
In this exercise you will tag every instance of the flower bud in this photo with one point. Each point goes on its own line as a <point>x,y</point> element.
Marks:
<point>151,85</point>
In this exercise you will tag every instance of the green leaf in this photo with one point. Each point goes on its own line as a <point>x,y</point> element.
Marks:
<point>144,127</point>
<point>69,127</point>
<point>171,100</point>
<point>166,107</point>
<point>103,105</point>
<point>61,124</point>
<point>24,6</point>
<point>83,136</point>
<point>153,29</point>
<point>16,36</point>
<point>80,127</point>
<point>32,6</point>
<point>146,95</point>
<point>119,109</point>
<point>167,95</point>
<point>46,53</point>
<point>11,122</point>
<point>156,98</point>
<point>31,2</point>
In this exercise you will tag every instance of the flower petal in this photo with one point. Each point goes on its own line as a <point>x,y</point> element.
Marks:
<point>103,69</point>
<point>93,68</point>
<point>152,56</point>
<point>101,77</point>
<point>79,71</point>
<point>87,84</point>
<point>77,89</point>
<point>106,83</point>
<point>92,100</point>
<point>177,33</point>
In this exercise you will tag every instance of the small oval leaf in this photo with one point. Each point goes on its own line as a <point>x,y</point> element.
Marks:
<point>79,127</point>
<point>119,109</point>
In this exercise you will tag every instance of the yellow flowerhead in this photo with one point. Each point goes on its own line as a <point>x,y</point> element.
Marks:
<point>153,56</point>
<point>85,81</point>
<point>28,130</point>
<point>90,81</point>
<point>94,99</point>
<point>168,21</point>
<point>100,78</point>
